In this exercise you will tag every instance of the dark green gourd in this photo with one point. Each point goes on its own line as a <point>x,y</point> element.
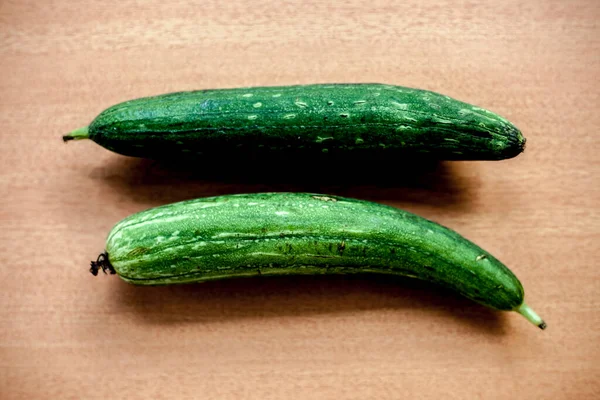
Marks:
<point>348,120</point>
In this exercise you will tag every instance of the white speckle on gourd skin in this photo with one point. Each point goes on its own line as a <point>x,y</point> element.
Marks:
<point>289,116</point>
<point>252,117</point>
<point>208,205</point>
<point>247,95</point>
<point>277,95</point>
<point>257,105</point>
<point>402,106</point>
<point>359,102</point>
<point>481,110</point>
<point>301,104</point>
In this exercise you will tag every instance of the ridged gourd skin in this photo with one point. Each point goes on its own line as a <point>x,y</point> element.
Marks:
<point>347,120</point>
<point>301,233</point>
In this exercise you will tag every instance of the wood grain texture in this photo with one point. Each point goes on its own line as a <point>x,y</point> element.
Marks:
<point>65,334</point>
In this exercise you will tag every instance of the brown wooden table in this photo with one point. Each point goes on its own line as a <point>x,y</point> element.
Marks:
<point>67,335</point>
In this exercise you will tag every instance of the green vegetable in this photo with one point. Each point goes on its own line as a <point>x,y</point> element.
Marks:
<point>300,233</point>
<point>348,120</point>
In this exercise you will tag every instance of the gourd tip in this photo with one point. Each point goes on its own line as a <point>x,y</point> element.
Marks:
<point>531,316</point>
<point>77,134</point>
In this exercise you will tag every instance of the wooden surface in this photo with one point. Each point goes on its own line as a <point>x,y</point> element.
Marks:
<point>67,334</point>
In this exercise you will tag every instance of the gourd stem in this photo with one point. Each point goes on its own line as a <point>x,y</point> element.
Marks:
<point>102,262</point>
<point>531,315</point>
<point>77,134</point>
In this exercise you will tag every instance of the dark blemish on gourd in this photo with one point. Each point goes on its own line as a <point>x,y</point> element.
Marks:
<point>393,251</point>
<point>341,247</point>
<point>344,115</point>
<point>429,268</point>
<point>481,257</point>
<point>138,251</point>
